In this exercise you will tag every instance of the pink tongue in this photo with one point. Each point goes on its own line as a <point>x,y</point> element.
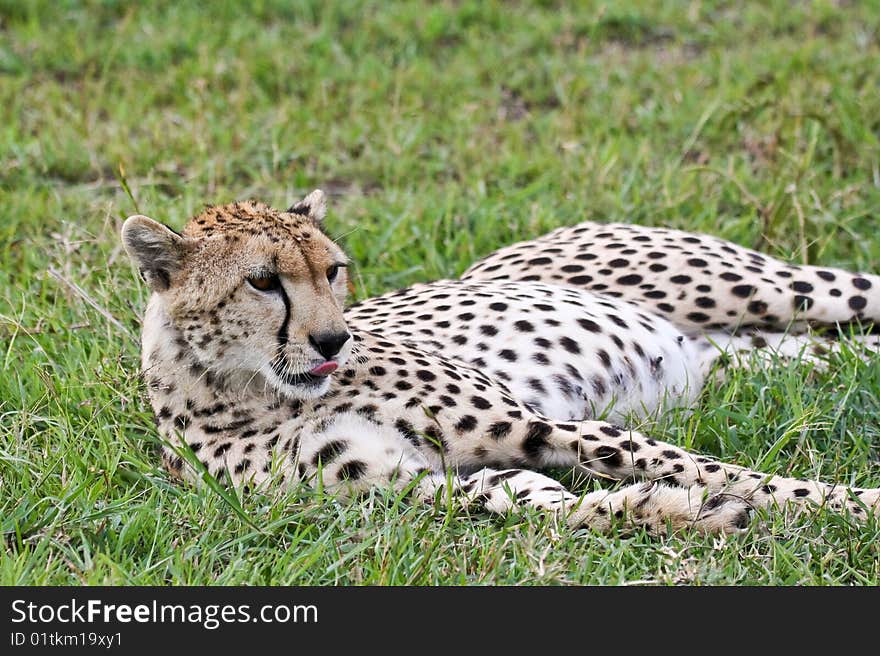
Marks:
<point>324,369</point>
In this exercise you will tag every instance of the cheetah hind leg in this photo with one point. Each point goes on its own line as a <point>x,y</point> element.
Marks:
<point>762,349</point>
<point>654,507</point>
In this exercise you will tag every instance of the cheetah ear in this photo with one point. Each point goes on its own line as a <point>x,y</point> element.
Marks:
<point>313,206</point>
<point>156,249</point>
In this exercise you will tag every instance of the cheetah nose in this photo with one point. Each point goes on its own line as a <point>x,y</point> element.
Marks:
<point>328,344</point>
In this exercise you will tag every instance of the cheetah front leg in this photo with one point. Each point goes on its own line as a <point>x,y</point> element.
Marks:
<point>349,454</point>
<point>621,454</point>
<point>654,507</point>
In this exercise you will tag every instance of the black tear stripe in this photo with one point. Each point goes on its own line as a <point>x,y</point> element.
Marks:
<point>283,334</point>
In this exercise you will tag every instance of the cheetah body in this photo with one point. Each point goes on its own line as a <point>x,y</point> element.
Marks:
<point>566,353</point>
<point>257,377</point>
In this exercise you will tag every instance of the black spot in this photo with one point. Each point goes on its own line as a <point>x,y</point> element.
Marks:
<point>743,291</point>
<point>629,445</point>
<point>757,307</point>
<point>368,411</point>
<point>730,277</point>
<point>329,452</point>
<point>705,302</point>
<point>498,307</point>
<point>861,283</point>
<point>802,302</point>
<point>570,345</point>
<point>425,375</point>
<point>610,456</point>
<point>407,430</point>
<point>801,492</point>
<point>801,287</point>
<point>536,438</point>
<point>480,403</point>
<point>435,438</point>
<point>352,470</point>
<point>500,477</point>
<point>507,354</point>
<point>826,275</point>
<point>858,302</point>
<point>680,280</point>
<point>587,324</point>
<point>500,429</point>
<point>524,326</point>
<point>697,262</point>
<point>540,358</point>
<point>489,331</point>
<point>672,455</point>
<point>631,279</point>
<point>698,317</point>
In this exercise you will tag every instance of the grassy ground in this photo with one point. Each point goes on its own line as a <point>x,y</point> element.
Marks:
<point>442,131</point>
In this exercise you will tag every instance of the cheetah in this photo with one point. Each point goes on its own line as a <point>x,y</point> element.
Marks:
<point>258,376</point>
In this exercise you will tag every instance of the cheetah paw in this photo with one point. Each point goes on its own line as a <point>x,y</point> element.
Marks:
<point>657,507</point>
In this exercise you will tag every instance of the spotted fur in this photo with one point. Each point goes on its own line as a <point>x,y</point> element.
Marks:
<point>473,385</point>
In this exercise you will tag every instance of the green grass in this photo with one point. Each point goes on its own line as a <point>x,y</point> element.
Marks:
<point>441,131</point>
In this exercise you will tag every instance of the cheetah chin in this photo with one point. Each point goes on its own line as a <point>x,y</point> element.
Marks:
<point>305,385</point>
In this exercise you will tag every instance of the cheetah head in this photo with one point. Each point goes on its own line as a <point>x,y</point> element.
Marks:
<point>252,293</point>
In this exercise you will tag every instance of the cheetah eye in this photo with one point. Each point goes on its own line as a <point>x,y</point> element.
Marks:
<point>333,271</point>
<point>265,283</point>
